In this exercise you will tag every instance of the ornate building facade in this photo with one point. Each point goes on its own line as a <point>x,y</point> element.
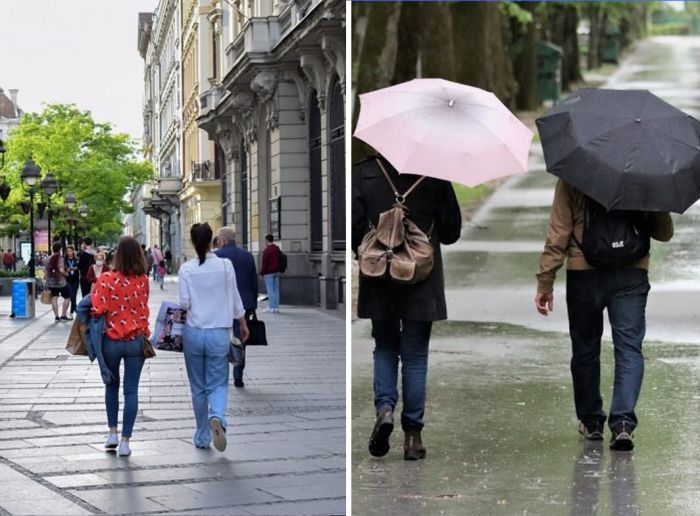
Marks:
<point>275,109</point>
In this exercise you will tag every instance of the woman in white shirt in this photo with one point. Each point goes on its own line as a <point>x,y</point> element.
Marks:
<point>209,293</point>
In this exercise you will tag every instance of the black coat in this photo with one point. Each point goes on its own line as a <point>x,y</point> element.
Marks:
<point>432,202</point>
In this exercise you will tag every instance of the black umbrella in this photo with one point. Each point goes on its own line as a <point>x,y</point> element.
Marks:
<point>626,149</point>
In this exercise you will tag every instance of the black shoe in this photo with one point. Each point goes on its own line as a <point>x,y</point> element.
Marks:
<point>379,440</point>
<point>413,448</point>
<point>621,439</point>
<point>593,431</point>
<point>58,319</point>
<point>238,383</point>
<point>66,318</point>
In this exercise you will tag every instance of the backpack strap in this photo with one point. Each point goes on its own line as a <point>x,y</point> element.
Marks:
<point>400,198</point>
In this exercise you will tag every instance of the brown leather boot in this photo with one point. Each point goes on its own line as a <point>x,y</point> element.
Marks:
<point>379,440</point>
<point>413,448</point>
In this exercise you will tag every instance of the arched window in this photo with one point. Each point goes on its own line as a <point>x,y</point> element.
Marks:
<point>336,115</point>
<point>316,180</point>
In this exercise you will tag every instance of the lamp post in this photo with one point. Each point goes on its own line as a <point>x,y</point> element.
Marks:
<point>49,185</point>
<point>69,203</point>
<point>30,175</point>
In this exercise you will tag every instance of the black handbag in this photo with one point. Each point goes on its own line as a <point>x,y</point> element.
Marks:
<point>256,329</point>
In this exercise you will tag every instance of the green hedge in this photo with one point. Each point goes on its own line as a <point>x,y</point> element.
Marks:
<point>10,274</point>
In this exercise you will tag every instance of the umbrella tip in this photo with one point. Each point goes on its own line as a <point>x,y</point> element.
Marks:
<point>451,103</point>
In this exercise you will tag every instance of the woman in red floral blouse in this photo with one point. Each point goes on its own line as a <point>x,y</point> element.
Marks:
<point>121,295</point>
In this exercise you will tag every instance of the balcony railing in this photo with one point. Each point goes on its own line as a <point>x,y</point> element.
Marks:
<point>204,171</point>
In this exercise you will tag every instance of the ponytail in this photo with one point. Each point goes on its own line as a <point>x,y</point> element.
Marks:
<point>201,235</point>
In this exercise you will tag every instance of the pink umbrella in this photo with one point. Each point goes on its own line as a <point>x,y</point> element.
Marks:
<point>442,129</point>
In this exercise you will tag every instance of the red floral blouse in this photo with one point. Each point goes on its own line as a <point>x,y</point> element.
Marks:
<point>124,301</point>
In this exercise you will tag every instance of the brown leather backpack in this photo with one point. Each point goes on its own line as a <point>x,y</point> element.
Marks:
<point>396,247</point>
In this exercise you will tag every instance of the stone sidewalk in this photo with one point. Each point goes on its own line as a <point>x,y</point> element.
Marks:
<point>286,452</point>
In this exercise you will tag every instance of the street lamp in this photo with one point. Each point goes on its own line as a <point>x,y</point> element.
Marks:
<point>49,185</point>
<point>83,211</point>
<point>30,175</point>
<point>69,202</point>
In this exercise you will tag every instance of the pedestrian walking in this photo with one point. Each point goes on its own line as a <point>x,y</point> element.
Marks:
<point>209,293</point>
<point>168,256</point>
<point>149,259</point>
<point>270,271</point>
<point>621,289</point>
<point>85,260</point>
<point>402,314</point>
<point>157,257</point>
<point>246,281</point>
<point>55,280</point>
<point>70,262</point>
<point>96,269</point>
<point>121,295</point>
<point>8,260</point>
<point>162,271</point>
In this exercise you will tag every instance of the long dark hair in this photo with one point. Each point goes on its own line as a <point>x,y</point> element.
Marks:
<point>128,258</point>
<point>201,234</point>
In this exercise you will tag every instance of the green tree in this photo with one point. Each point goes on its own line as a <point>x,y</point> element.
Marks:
<point>99,166</point>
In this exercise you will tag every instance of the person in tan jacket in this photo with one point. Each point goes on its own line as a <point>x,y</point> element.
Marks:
<point>623,292</point>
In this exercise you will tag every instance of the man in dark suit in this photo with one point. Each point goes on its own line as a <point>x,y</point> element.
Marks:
<point>246,280</point>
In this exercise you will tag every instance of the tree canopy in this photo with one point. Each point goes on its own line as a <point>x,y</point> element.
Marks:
<point>99,166</point>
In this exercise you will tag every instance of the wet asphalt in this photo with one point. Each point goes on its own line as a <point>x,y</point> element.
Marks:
<point>500,423</point>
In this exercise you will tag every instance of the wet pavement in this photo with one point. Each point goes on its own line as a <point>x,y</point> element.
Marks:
<point>501,429</point>
<point>286,452</point>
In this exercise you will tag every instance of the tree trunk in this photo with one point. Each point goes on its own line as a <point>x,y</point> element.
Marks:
<point>425,42</point>
<point>561,30</point>
<point>481,49</point>
<point>594,37</point>
<point>376,60</point>
<point>524,49</point>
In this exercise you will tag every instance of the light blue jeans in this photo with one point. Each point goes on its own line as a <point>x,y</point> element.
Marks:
<point>206,359</point>
<point>272,285</point>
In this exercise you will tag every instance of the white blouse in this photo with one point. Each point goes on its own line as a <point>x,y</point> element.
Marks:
<point>209,292</point>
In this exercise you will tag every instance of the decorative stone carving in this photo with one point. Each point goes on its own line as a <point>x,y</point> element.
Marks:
<point>312,64</point>
<point>334,52</point>
<point>264,84</point>
<point>242,102</point>
<point>294,74</point>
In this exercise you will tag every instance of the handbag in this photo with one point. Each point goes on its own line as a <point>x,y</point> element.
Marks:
<point>236,352</point>
<point>396,248</point>
<point>45,296</point>
<point>148,351</point>
<point>256,329</point>
<point>76,339</point>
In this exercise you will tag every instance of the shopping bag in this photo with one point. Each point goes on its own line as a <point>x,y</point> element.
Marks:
<point>76,339</point>
<point>170,325</point>
<point>45,296</point>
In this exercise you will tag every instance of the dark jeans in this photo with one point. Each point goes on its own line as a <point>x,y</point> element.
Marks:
<point>406,340</point>
<point>238,370</point>
<point>74,293</point>
<point>85,287</point>
<point>624,293</point>
<point>132,353</point>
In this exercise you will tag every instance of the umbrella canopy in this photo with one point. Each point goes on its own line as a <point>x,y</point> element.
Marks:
<point>446,130</point>
<point>626,149</point>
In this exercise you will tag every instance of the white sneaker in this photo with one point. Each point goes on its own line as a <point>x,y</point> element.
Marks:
<point>268,310</point>
<point>112,442</point>
<point>124,450</point>
<point>219,433</point>
<point>275,310</point>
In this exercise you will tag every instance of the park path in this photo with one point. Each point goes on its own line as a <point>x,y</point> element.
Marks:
<point>501,430</point>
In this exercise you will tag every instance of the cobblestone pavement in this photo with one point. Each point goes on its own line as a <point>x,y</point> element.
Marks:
<point>286,452</point>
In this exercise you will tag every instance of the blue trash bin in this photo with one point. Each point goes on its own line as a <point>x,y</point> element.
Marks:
<point>23,298</point>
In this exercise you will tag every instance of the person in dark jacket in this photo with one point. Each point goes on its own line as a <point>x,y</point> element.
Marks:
<point>401,314</point>
<point>246,280</point>
<point>73,278</point>
<point>85,260</point>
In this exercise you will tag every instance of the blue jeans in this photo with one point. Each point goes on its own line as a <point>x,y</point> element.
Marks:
<point>132,353</point>
<point>406,340</point>
<point>272,285</point>
<point>624,293</point>
<point>206,360</point>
